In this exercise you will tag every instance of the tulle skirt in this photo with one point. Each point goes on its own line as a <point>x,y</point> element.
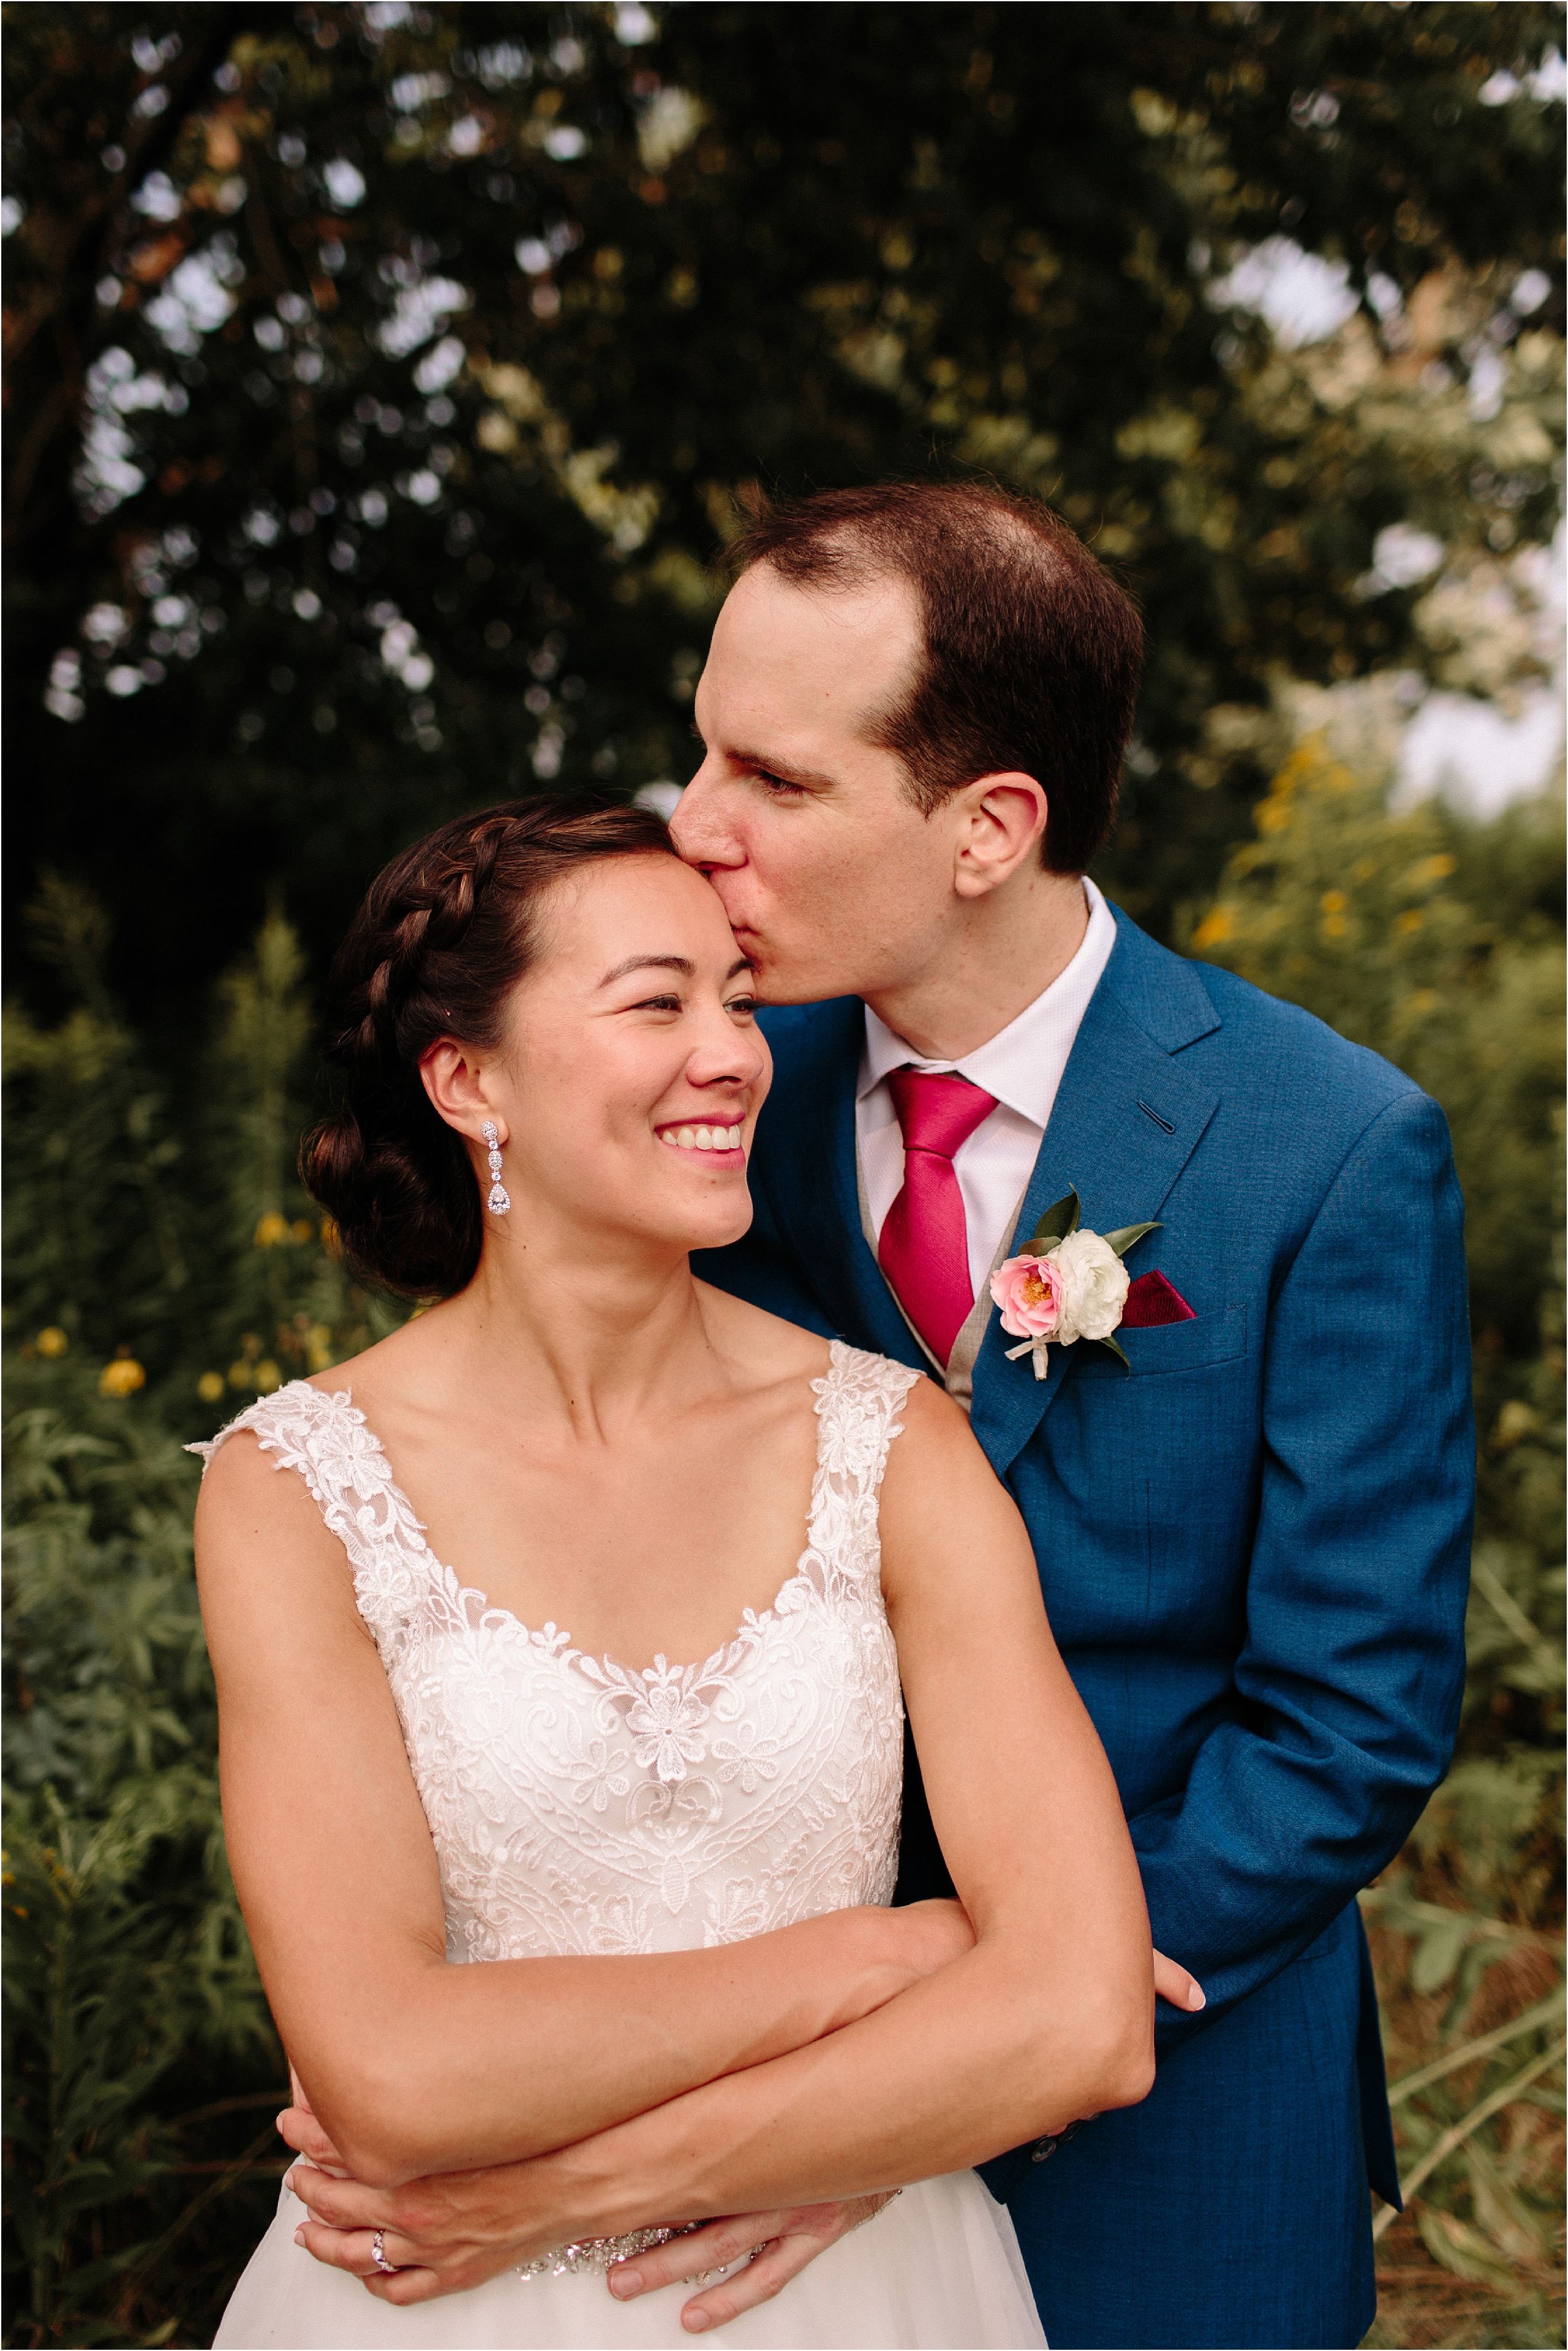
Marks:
<point>937,2269</point>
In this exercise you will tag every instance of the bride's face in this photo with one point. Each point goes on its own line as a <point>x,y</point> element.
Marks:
<point>635,1068</point>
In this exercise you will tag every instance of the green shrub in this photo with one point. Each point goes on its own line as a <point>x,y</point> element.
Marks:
<point>164,1268</point>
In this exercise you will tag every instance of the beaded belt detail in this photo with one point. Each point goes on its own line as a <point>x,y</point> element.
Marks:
<point>601,2253</point>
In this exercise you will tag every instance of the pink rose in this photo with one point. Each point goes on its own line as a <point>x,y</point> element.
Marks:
<point>1029,1291</point>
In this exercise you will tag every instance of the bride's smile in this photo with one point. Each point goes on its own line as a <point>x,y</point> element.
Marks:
<point>631,1072</point>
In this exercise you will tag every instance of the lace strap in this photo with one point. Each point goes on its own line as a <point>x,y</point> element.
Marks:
<point>323,1437</point>
<point>283,1423</point>
<point>857,1407</point>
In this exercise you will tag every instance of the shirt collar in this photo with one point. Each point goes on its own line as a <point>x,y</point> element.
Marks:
<point>1021,1065</point>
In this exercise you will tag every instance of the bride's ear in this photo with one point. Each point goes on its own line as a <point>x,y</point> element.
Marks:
<point>458,1088</point>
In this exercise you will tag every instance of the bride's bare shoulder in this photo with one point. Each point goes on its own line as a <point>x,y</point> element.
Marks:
<point>766,1342</point>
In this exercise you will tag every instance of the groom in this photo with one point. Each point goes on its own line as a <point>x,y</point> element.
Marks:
<point>1254,1544</point>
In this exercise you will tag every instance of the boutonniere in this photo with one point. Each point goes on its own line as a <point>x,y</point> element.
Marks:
<point>1070,1284</point>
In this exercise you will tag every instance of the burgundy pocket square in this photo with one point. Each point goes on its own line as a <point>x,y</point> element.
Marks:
<point>1151,1300</point>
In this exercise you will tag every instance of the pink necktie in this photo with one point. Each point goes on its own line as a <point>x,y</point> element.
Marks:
<point>925,1245</point>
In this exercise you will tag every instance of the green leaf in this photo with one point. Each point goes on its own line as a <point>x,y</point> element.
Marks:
<point>1122,1239</point>
<point>1437,1955</point>
<point>1055,1225</point>
<point>1463,2250</point>
<point>1113,1348</point>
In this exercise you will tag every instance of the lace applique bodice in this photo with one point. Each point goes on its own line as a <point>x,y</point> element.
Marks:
<point>577,1805</point>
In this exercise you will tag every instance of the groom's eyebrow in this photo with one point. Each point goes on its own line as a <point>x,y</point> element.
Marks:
<point>787,768</point>
<point>783,768</point>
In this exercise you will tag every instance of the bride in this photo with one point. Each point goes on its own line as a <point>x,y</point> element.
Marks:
<point>695,2000</point>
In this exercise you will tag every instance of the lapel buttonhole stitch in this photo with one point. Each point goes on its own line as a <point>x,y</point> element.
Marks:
<point>1159,1122</point>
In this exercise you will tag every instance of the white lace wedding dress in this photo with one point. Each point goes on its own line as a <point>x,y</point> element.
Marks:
<point>578,1806</point>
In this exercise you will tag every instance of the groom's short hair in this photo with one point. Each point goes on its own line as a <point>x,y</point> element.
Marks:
<point>1031,650</point>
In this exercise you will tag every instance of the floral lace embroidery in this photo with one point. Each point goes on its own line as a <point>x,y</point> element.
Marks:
<point>579,1805</point>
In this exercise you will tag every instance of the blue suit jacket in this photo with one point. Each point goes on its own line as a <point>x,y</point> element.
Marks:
<point>1253,1548</point>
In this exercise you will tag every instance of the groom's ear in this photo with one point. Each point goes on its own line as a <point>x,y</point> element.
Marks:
<point>998,823</point>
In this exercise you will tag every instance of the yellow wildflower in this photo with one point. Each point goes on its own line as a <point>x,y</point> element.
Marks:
<point>301,1228</point>
<point>241,1375</point>
<point>1214,928</point>
<point>122,1378</point>
<point>52,1341</point>
<point>330,1239</point>
<point>1333,902</point>
<point>272,1229</point>
<point>1411,920</point>
<point>210,1386</point>
<point>267,1376</point>
<point>1515,1420</point>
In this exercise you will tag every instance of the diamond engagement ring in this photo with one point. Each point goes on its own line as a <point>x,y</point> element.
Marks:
<point>379,2254</point>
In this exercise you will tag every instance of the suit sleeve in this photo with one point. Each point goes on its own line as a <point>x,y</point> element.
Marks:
<point>1352,1671</point>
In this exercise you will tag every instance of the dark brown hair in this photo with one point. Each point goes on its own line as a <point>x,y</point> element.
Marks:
<point>445,933</point>
<point>1031,650</point>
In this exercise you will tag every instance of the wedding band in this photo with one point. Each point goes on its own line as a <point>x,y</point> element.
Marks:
<point>379,2254</point>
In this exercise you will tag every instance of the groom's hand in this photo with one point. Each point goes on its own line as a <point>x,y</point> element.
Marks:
<point>781,2245</point>
<point>445,2235</point>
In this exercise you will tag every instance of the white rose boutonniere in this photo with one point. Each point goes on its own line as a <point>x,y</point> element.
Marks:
<point>1070,1284</point>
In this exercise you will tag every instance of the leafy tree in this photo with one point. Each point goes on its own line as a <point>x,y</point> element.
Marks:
<point>388,374</point>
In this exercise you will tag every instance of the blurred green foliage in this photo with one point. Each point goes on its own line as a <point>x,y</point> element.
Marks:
<point>390,374</point>
<point>164,1267</point>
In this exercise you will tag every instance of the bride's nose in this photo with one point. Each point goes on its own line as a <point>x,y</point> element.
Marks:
<point>729,1055</point>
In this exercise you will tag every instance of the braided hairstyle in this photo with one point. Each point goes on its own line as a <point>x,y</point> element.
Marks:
<point>445,933</point>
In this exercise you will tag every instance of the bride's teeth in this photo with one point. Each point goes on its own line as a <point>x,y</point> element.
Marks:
<point>701,1138</point>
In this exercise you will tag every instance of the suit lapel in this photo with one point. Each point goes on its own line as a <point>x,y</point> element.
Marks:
<point>809,1169</point>
<point>1126,1119</point>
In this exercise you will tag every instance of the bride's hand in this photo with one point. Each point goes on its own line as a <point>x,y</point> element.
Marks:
<point>1172,1982</point>
<point>298,2128</point>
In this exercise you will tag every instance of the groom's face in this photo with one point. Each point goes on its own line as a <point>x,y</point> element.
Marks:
<point>834,883</point>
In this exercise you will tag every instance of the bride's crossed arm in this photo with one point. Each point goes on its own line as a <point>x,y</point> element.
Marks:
<point>414,2065</point>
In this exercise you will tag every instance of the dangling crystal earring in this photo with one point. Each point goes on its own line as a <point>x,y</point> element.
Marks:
<point>498,1203</point>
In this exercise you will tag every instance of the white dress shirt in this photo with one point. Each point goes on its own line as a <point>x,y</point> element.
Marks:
<point>1021,1065</point>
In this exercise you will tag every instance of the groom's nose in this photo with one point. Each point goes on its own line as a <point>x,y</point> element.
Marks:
<point>700,827</point>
